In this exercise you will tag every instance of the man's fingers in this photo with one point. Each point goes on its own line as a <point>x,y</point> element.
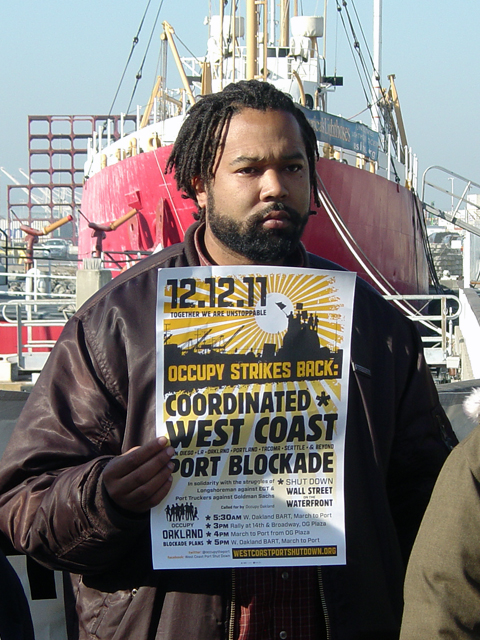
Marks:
<point>142,483</point>
<point>153,495</point>
<point>134,479</point>
<point>128,476</point>
<point>131,460</point>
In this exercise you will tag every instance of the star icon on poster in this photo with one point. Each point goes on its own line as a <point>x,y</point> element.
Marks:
<point>323,399</point>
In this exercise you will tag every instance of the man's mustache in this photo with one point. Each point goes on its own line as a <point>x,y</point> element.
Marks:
<point>294,215</point>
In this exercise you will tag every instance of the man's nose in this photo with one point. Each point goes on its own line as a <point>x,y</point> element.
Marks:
<point>273,185</point>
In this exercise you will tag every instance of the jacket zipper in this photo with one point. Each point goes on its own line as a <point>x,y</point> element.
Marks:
<point>231,622</point>
<point>324,604</point>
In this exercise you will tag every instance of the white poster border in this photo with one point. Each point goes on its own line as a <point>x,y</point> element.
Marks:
<point>259,464</point>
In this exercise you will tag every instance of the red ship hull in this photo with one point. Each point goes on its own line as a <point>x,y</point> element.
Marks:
<point>381,217</point>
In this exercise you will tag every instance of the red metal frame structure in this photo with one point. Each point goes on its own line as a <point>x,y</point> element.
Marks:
<point>57,152</point>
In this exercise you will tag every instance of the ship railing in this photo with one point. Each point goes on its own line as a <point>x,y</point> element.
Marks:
<point>194,70</point>
<point>34,307</point>
<point>32,353</point>
<point>465,218</point>
<point>134,138</point>
<point>437,328</point>
<point>36,284</point>
<point>281,66</point>
<point>308,70</point>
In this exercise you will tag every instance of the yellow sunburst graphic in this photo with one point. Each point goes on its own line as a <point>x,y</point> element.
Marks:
<point>249,312</point>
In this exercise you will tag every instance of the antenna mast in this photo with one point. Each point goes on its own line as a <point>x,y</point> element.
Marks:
<point>377,63</point>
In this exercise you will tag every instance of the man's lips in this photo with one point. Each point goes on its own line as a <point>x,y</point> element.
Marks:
<point>276,220</point>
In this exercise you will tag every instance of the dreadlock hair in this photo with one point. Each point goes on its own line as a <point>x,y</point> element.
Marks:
<point>200,136</point>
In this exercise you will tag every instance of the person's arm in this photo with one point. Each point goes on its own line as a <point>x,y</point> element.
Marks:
<point>53,503</point>
<point>423,436</point>
<point>442,587</point>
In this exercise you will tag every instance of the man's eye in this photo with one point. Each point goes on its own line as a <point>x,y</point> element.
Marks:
<point>293,168</point>
<point>247,170</point>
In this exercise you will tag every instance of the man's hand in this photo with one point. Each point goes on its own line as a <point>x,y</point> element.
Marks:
<point>140,478</point>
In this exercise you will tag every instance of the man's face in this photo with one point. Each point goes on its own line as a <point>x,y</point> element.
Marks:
<point>258,201</point>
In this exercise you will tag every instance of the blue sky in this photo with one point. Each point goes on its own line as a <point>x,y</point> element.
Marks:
<point>66,58</point>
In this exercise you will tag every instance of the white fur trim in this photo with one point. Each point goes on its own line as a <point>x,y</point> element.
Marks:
<point>471,405</point>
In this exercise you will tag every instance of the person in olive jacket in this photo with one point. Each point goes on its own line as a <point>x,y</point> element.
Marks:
<point>442,587</point>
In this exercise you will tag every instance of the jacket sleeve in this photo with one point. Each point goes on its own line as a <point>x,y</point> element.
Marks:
<point>422,441</point>
<point>423,438</point>
<point>442,588</point>
<point>51,501</point>
<point>410,434</point>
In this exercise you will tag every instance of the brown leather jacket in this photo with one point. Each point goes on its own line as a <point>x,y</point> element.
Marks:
<point>96,398</point>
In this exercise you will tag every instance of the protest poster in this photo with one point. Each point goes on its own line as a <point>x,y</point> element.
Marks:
<point>252,387</point>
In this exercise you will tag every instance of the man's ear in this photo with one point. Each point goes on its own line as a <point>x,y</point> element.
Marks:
<point>200,192</point>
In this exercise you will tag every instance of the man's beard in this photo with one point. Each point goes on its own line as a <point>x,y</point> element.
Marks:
<point>250,239</point>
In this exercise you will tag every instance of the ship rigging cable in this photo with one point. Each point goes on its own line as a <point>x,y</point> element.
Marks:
<point>134,44</point>
<point>355,46</point>
<point>189,51</point>
<point>140,71</point>
<point>382,283</point>
<point>365,78</point>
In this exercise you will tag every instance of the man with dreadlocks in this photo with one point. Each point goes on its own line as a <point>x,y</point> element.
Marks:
<point>84,468</point>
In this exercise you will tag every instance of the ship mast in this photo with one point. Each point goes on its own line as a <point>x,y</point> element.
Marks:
<point>377,65</point>
<point>252,21</point>
<point>271,31</point>
<point>252,15</point>
<point>221,44</point>
<point>284,23</point>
